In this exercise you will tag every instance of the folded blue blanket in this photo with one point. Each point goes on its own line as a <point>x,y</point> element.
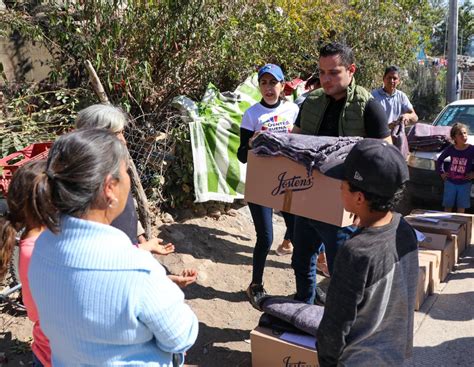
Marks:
<point>299,314</point>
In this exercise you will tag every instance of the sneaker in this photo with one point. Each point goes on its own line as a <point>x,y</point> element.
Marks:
<point>286,248</point>
<point>322,266</point>
<point>320,297</point>
<point>255,293</point>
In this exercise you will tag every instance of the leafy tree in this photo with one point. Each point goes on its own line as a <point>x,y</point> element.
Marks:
<point>465,29</point>
<point>146,53</point>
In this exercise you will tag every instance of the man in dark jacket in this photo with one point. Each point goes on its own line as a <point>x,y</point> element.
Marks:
<point>339,108</point>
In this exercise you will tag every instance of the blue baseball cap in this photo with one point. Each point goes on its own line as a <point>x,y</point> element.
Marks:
<point>271,69</point>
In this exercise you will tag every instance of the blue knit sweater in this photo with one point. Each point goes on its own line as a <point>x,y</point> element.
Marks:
<point>102,302</point>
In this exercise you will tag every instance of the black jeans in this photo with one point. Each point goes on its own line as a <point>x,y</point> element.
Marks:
<point>263,222</point>
<point>308,237</point>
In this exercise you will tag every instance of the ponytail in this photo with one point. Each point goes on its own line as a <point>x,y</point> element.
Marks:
<point>42,208</point>
<point>7,244</point>
<point>20,213</point>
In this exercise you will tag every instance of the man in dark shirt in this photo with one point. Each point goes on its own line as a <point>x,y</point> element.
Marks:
<point>368,317</point>
<point>339,108</point>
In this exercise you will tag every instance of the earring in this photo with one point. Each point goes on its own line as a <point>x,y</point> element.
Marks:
<point>113,203</point>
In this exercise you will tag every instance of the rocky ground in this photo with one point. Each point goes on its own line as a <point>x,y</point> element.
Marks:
<point>220,248</point>
<point>219,244</point>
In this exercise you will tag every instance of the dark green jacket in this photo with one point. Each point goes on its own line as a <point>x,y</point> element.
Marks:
<point>351,119</point>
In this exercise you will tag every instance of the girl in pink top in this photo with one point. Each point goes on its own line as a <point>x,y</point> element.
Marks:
<point>19,204</point>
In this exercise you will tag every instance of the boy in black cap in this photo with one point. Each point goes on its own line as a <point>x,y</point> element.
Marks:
<point>369,311</point>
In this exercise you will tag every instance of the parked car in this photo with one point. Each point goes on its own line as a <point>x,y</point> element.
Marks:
<point>425,184</point>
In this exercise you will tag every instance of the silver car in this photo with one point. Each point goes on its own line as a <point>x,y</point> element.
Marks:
<point>425,184</point>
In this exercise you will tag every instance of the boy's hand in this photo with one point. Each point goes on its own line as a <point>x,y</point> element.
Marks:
<point>187,277</point>
<point>470,176</point>
<point>155,247</point>
<point>444,176</point>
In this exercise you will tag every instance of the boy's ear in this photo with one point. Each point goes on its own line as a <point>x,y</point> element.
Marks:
<point>360,198</point>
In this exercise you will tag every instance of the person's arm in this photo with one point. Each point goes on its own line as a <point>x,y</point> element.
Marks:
<point>296,130</point>
<point>163,311</point>
<point>375,121</point>
<point>409,115</point>
<point>156,246</point>
<point>345,294</point>
<point>440,162</point>
<point>140,230</point>
<point>242,151</point>
<point>247,130</point>
<point>296,127</point>
<point>470,175</point>
<point>187,277</point>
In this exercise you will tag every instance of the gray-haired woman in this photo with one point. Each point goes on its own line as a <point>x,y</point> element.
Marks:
<point>101,302</point>
<point>114,119</point>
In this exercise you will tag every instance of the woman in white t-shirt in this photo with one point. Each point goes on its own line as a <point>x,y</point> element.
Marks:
<point>274,114</point>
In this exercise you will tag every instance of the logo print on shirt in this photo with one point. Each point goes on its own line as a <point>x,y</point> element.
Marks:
<point>277,124</point>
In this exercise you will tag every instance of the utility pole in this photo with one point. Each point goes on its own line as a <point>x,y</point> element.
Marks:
<point>452,51</point>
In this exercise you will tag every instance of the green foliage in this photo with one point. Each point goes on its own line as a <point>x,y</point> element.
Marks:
<point>179,183</point>
<point>35,115</point>
<point>426,87</point>
<point>465,29</point>
<point>146,53</point>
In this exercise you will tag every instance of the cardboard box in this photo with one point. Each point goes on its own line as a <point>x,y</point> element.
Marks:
<point>426,265</point>
<point>433,256</point>
<point>443,260</point>
<point>422,286</point>
<point>467,219</point>
<point>268,350</point>
<point>434,241</point>
<point>280,183</point>
<point>450,255</point>
<point>445,244</point>
<point>440,226</point>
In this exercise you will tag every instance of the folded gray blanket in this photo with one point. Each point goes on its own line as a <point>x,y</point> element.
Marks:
<point>311,151</point>
<point>428,138</point>
<point>301,315</point>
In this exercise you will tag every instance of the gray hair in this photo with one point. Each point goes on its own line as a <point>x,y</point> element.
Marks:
<point>102,116</point>
<point>77,166</point>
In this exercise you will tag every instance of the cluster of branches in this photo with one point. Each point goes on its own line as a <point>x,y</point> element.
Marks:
<point>146,53</point>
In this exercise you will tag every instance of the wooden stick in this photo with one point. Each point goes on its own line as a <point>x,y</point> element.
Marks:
<point>142,202</point>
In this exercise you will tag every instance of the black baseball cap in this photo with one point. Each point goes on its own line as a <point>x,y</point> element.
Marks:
<point>374,166</point>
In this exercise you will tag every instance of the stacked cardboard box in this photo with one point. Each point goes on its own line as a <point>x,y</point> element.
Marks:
<point>447,235</point>
<point>269,349</point>
<point>467,219</point>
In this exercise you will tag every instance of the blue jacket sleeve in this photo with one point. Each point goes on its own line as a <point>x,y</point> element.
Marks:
<point>163,311</point>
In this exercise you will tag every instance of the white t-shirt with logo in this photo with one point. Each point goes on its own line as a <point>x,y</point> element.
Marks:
<point>278,119</point>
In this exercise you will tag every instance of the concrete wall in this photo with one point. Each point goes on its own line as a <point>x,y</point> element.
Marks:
<point>23,60</point>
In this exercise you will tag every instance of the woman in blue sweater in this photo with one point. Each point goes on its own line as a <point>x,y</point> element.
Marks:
<point>100,301</point>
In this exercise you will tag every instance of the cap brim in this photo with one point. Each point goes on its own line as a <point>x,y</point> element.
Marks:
<point>334,169</point>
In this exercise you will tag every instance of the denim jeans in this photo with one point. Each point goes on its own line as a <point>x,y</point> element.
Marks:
<point>290,225</point>
<point>308,237</point>
<point>263,222</point>
<point>36,361</point>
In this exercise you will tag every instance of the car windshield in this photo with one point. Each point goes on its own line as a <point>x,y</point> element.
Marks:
<point>453,114</point>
